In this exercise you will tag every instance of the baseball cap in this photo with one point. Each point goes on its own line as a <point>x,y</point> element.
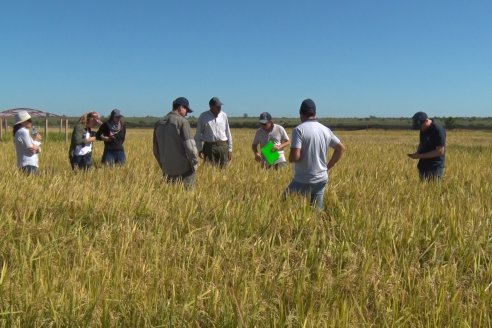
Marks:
<point>215,101</point>
<point>116,113</point>
<point>308,107</point>
<point>22,116</point>
<point>182,101</point>
<point>265,117</point>
<point>417,120</point>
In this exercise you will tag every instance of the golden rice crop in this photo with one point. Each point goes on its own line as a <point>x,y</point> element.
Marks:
<point>118,247</point>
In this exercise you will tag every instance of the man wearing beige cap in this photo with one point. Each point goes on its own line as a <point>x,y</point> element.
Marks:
<point>213,130</point>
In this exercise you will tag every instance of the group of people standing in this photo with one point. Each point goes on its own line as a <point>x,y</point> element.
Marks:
<point>112,133</point>
<point>178,152</point>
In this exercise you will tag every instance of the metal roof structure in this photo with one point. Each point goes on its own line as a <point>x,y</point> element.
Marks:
<point>32,112</point>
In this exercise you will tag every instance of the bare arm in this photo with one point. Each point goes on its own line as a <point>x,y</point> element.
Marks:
<point>439,151</point>
<point>295,155</point>
<point>337,154</point>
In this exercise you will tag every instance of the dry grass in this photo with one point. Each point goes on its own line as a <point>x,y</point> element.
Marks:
<point>118,247</point>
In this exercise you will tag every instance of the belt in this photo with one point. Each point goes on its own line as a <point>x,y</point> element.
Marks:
<point>216,143</point>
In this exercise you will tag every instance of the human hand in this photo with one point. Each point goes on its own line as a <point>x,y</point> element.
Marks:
<point>229,155</point>
<point>200,154</point>
<point>257,157</point>
<point>277,148</point>
<point>414,155</point>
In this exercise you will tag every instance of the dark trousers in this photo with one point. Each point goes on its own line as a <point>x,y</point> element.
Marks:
<point>188,179</point>
<point>430,175</point>
<point>30,170</point>
<point>83,162</point>
<point>217,154</point>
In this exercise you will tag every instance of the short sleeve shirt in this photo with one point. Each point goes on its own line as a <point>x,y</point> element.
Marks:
<point>277,136</point>
<point>314,139</point>
<point>433,137</point>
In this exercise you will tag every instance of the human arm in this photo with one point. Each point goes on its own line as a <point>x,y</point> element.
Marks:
<point>155,146</point>
<point>229,136</point>
<point>189,144</point>
<point>254,147</point>
<point>295,148</point>
<point>439,151</point>
<point>339,149</point>
<point>198,137</point>
<point>284,140</point>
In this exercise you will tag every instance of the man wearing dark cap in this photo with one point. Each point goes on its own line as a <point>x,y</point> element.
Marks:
<point>113,133</point>
<point>431,149</point>
<point>309,150</point>
<point>213,130</point>
<point>275,133</point>
<point>174,146</point>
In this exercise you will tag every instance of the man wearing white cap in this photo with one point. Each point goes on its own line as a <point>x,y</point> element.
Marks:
<point>24,146</point>
<point>275,133</point>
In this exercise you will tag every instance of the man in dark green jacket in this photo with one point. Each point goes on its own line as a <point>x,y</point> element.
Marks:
<point>174,147</point>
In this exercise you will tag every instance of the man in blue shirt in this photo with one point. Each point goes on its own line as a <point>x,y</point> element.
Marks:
<point>431,150</point>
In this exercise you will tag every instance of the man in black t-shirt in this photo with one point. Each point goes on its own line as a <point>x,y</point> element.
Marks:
<point>431,150</point>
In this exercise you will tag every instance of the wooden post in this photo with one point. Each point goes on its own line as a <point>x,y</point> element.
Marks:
<point>46,127</point>
<point>6,125</point>
<point>66,129</point>
<point>61,125</point>
<point>1,128</point>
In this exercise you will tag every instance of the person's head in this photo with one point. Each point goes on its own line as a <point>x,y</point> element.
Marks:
<point>35,134</point>
<point>266,121</point>
<point>181,106</point>
<point>90,119</point>
<point>22,119</point>
<point>307,110</point>
<point>420,121</point>
<point>215,105</point>
<point>115,116</point>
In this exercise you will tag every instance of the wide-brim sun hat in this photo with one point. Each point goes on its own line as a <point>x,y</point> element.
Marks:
<point>22,116</point>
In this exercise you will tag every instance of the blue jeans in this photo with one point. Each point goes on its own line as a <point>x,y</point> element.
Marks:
<point>83,162</point>
<point>315,190</point>
<point>430,175</point>
<point>112,157</point>
<point>188,179</point>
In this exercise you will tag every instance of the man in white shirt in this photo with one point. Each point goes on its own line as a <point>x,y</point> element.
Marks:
<point>275,133</point>
<point>213,130</point>
<point>309,149</point>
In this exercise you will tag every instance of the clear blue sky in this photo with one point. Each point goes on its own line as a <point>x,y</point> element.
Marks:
<point>354,58</point>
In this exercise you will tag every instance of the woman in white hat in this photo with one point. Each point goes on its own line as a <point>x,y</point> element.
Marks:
<point>24,146</point>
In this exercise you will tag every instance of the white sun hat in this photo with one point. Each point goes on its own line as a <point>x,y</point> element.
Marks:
<point>22,116</point>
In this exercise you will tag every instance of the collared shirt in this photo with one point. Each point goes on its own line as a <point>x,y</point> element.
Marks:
<point>212,129</point>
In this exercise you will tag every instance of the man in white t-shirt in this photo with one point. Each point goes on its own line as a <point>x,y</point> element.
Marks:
<point>270,131</point>
<point>309,150</point>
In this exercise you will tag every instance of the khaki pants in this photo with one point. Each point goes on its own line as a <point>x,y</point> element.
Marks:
<point>217,154</point>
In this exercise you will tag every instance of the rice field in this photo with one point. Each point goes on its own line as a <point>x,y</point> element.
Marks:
<point>117,247</point>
